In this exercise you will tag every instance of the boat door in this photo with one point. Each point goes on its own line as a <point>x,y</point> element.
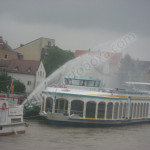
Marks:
<point>2,116</point>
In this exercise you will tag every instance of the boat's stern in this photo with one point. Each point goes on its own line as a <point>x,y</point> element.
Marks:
<point>11,118</point>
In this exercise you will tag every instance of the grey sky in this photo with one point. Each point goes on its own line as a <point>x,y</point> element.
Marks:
<point>77,24</point>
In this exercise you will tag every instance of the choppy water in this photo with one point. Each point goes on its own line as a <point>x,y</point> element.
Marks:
<point>42,136</point>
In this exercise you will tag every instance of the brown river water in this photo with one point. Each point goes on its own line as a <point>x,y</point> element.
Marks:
<point>42,136</point>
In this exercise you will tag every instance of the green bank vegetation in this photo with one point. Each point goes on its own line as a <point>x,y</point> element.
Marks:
<point>56,58</point>
<point>5,84</point>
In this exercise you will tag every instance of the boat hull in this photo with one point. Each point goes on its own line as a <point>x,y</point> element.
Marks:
<point>9,129</point>
<point>97,123</point>
<point>60,119</point>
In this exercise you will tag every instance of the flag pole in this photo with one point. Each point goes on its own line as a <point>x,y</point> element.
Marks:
<point>12,88</point>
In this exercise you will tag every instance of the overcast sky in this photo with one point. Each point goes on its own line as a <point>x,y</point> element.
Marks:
<point>78,24</point>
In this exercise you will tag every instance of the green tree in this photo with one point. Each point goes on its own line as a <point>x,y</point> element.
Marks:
<point>56,57</point>
<point>5,82</point>
<point>128,70</point>
<point>19,87</point>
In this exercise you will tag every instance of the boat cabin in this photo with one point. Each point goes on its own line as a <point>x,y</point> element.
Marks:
<point>82,83</point>
<point>11,115</point>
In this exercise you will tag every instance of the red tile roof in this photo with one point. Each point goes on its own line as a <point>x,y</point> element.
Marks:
<point>20,66</point>
<point>112,57</point>
<point>1,41</point>
<point>80,52</point>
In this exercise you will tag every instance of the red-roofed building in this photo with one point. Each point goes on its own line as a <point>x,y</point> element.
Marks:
<point>1,41</point>
<point>112,59</point>
<point>29,72</point>
<point>6,52</point>
<point>80,52</point>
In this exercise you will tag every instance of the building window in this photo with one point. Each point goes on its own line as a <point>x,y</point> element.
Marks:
<point>49,43</point>
<point>5,56</point>
<point>29,83</point>
<point>2,69</point>
<point>29,69</point>
<point>16,68</point>
<point>40,73</point>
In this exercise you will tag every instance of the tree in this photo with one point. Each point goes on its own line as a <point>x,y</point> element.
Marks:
<point>5,82</point>
<point>56,57</point>
<point>19,87</point>
<point>128,70</point>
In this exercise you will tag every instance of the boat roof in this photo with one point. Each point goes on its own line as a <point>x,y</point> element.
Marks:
<point>95,94</point>
<point>138,83</point>
<point>81,78</point>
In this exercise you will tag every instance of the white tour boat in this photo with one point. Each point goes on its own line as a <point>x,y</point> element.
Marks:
<point>80,101</point>
<point>11,115</point>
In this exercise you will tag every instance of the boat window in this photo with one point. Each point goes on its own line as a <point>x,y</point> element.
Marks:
<point>79,82</point>
<point>67,81</point>
<point>89,83</point>
<point>74,82</point>
<point>49,104</point>
<point>97,83</point>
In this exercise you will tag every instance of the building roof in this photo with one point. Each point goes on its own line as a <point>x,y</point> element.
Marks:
<point>21,45</point>
<point>20,66</point>
<point>112,57</point>
<point>80,52</point>
<point>4,45</point>
<point>1,41</point>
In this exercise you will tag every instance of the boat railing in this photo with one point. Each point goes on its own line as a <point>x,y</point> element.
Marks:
<point>13,101</point>
<point>61,111</point>
<point>124,91</point>
<point>75,112</point>
<point>83,88</point>
<point>49,110</point>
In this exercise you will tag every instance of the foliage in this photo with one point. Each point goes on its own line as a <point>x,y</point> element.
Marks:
<point>5,82</point>
<point>19,87</point>
<point>128,70</point>
<point>56,57</point>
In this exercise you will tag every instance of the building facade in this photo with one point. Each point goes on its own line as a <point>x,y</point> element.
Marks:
<point>36,50</point>
<point>30,73</point>
<point>6,53</point>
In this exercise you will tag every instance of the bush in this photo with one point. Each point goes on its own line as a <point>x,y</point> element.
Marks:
<point>19,87</point>
<point>5,82</point>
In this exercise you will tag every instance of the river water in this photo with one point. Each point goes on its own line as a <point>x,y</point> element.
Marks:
<point>42,136</point>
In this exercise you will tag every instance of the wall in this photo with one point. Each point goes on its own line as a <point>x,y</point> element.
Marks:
<point>24,78</point>
<point>40,75</point>
<point>10,54</point>
<point>32,50</point>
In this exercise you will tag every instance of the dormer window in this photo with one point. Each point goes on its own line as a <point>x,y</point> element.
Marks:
<point>16,68</point>
<point>49,44</point>
<point>5,56</point>
<point>29,69</point>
